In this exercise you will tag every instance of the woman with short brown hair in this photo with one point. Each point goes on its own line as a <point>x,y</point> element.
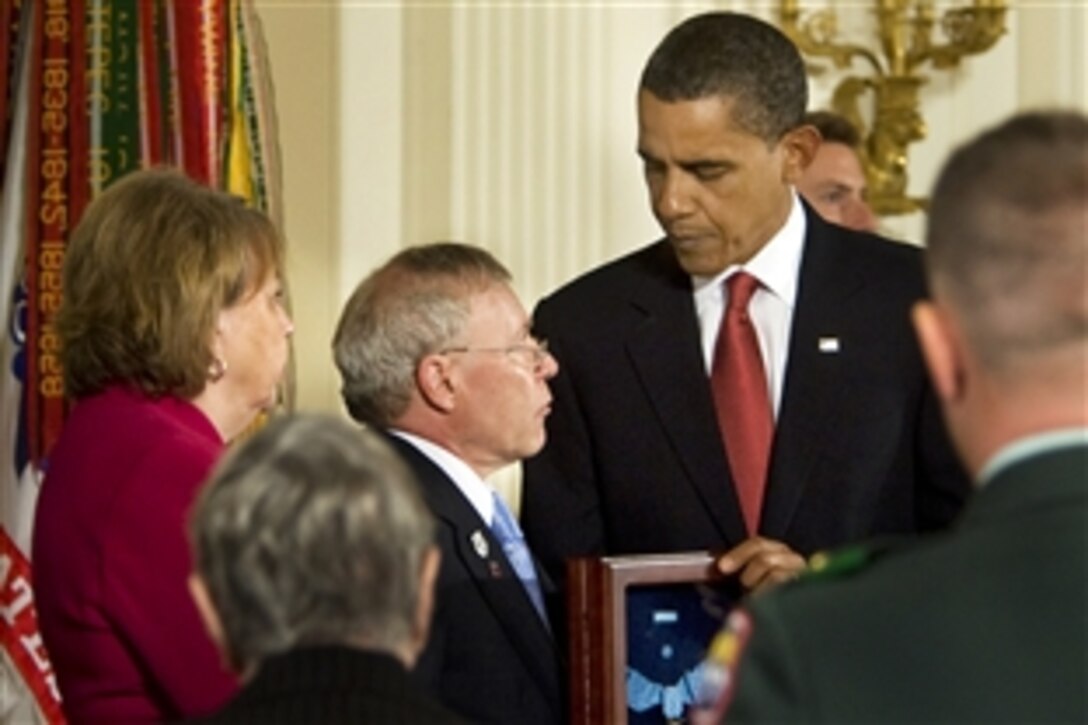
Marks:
<point>174,337</point>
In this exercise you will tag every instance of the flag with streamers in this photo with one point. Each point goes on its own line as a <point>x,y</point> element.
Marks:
<point>89,91</point>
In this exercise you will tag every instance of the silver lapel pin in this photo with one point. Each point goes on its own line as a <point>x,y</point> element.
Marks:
<point>829,345</point>
<point>479,543</point>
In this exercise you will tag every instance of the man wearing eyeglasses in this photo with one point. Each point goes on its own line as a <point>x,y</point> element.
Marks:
<point>434,348</point>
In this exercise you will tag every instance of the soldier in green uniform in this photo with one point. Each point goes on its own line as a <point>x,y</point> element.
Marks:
<point>986,622</point>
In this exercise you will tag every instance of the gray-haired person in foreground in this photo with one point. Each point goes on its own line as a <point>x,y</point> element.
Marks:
<point>315,572</point>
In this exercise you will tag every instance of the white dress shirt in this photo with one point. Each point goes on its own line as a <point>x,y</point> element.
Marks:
<point>471,485</point>
<point>777,267</point>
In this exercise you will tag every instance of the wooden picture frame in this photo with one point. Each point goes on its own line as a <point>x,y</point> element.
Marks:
<point>597,606</point>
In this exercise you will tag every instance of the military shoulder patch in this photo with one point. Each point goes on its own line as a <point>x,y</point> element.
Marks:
<point>718,672</point>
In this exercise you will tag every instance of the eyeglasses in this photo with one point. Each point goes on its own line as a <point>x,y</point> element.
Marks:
<point>532,354</point>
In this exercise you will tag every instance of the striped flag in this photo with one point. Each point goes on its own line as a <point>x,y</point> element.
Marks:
<point>93,89</point>
<point>30,692</point>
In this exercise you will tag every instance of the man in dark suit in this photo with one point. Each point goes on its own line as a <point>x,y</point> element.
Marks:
<point>986,622</point>
<point>848,439</point>
<point>315,575</point>
<point>435,348</point>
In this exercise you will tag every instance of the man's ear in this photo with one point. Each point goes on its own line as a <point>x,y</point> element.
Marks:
<point>799,148</point>
<point>434,382</point>
<point>209,616</point>
<point>941,350</point>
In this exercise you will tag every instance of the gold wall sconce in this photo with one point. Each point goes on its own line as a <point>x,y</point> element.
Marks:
<point>892,80</point>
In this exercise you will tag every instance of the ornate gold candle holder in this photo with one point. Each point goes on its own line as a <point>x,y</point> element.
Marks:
<point>905,42</point>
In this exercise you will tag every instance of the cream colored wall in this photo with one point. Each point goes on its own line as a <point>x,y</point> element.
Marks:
<point>304,46</point>
<point>1052,46</point>
<point>511,125</point>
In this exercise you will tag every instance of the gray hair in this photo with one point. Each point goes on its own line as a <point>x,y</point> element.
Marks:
<point>413,305</point>
<point>312,532</point>
<point>1007,243</point>
<point>735,56</point>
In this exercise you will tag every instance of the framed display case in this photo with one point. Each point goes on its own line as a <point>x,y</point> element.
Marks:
<point>638,630</point>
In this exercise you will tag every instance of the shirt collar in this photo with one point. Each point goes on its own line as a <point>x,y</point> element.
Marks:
<point>776,265</point>
<point>471,485</point>
<point>1029,446</point>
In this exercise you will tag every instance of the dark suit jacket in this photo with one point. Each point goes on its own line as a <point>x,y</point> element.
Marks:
<point>489,657</point>
<point>985,623</point>
<point>332,685</point>
<point>634,462</point>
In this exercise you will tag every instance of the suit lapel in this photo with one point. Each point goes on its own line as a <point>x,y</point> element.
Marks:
<point>499,586</point>
<point>481,555</point>
<point>808,411</point>
<point>666,354</point>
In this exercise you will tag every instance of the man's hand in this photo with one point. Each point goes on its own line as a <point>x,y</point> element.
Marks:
<point>761,563</point>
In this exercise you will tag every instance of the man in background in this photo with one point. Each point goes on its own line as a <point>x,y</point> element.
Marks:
<point>986,622</point>
<point>834,181</point>
<point>749,384</point>
<point>435,349</point>
<point>315,571</point>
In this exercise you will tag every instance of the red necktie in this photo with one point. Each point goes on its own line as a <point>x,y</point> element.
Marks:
<point>740,399</point>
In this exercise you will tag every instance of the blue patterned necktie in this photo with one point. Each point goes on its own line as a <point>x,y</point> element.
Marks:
<point>505,528</point>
